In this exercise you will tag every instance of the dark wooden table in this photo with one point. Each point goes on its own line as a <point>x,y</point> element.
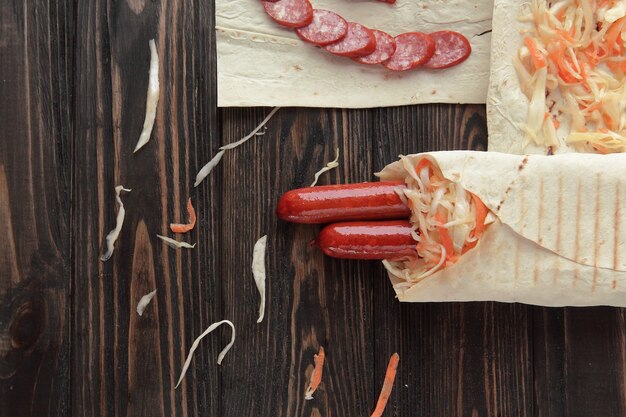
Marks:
<point>73,77</point>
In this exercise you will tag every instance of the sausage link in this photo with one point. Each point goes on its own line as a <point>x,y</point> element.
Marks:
<point>332,203</point>
<point>368,240</point>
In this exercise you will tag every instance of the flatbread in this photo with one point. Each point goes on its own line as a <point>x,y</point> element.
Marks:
<point>263,64</point>
<point>559,237</point>
<point>507,105</point>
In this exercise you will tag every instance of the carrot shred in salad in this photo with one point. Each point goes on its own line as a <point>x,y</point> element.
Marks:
<point>572,70</point>
<point>184,228</point>
<point>447,219</point>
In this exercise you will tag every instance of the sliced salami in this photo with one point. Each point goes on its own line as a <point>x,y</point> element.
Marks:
<point>326,27</point>
<point>385,47</point>
<point>412,50</point>
<point>290,13</point>
<point>451,48</point>
<point>359,41</point>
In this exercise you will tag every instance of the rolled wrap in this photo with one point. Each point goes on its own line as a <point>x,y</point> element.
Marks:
<point>559,235</point>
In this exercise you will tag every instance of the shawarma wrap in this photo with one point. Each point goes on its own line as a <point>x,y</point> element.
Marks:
<point>555,234</point>
<point>557,80</point>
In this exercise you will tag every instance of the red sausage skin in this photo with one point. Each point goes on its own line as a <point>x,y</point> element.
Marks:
<point>290,13</point>
<point>413,49</point>
<point>451,48</point>
<point>359,41</point>
<point>332,203</point>
<point>368,240</point>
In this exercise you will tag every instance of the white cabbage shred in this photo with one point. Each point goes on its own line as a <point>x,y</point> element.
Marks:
<point>172,243</point>
<point>194,346</point>
<point>258,270</point>
<point>253,133</point>
<point>575,80</point>
<point>206,170</point>
<point>152,98</point>
<point>332,164</point>
<point>113,234</point>
<point>145,300</point>
<point>440,209</point>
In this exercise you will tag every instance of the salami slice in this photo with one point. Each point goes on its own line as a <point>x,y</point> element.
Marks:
<point>385,47</point>
<point>451,48</point>
<point>359,41</point>
<point>326,27</point>
<point>290,13</point>
<point>412,50</point>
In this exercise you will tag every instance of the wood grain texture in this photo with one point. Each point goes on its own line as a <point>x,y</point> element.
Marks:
<point>35,173</point>
<point>122,364</point>
<point>73,79</point>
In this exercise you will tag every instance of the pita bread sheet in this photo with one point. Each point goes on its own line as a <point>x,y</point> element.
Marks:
<point>261,63</point>
<point>559,238</point>
<point>507,106</point>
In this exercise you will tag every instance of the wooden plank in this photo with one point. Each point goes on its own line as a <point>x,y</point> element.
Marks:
<point>580,361</point>
<point>122,364</point>
<point>35,172</point>
<point>312,301</point>
<point>465,359</point>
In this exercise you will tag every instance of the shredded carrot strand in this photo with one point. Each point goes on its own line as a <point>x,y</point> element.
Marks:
<point>184,228</point>
<point>385,392</point>
<point>565,36</point>
<point>608,120</point>
<point>444,236</point>
<point>601,149</point>
<point>559,59</point>
<point>468,246</point>
<point>560,14</point>
<point>537,57</point>
<point>316,376</point>
<point>481,215</point>
<point>423,163</point>
<point>614,33</point>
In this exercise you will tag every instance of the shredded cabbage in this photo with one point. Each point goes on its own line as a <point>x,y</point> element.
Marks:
<point>572,70</point>
<point>444,218</point>
<point>316,375</point>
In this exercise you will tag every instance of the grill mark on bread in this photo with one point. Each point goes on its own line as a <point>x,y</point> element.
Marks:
<point>596,226</point>
<point>517,257</point>
<point>559,219</point>
<point>523,164</point>
<point>506,193</point>
<point>616,221</point>
<point>576,242</point>
<point>539,226</point>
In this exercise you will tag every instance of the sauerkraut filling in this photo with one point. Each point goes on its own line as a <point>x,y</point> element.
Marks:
<point>571,68</point>
<point>447,222</point>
